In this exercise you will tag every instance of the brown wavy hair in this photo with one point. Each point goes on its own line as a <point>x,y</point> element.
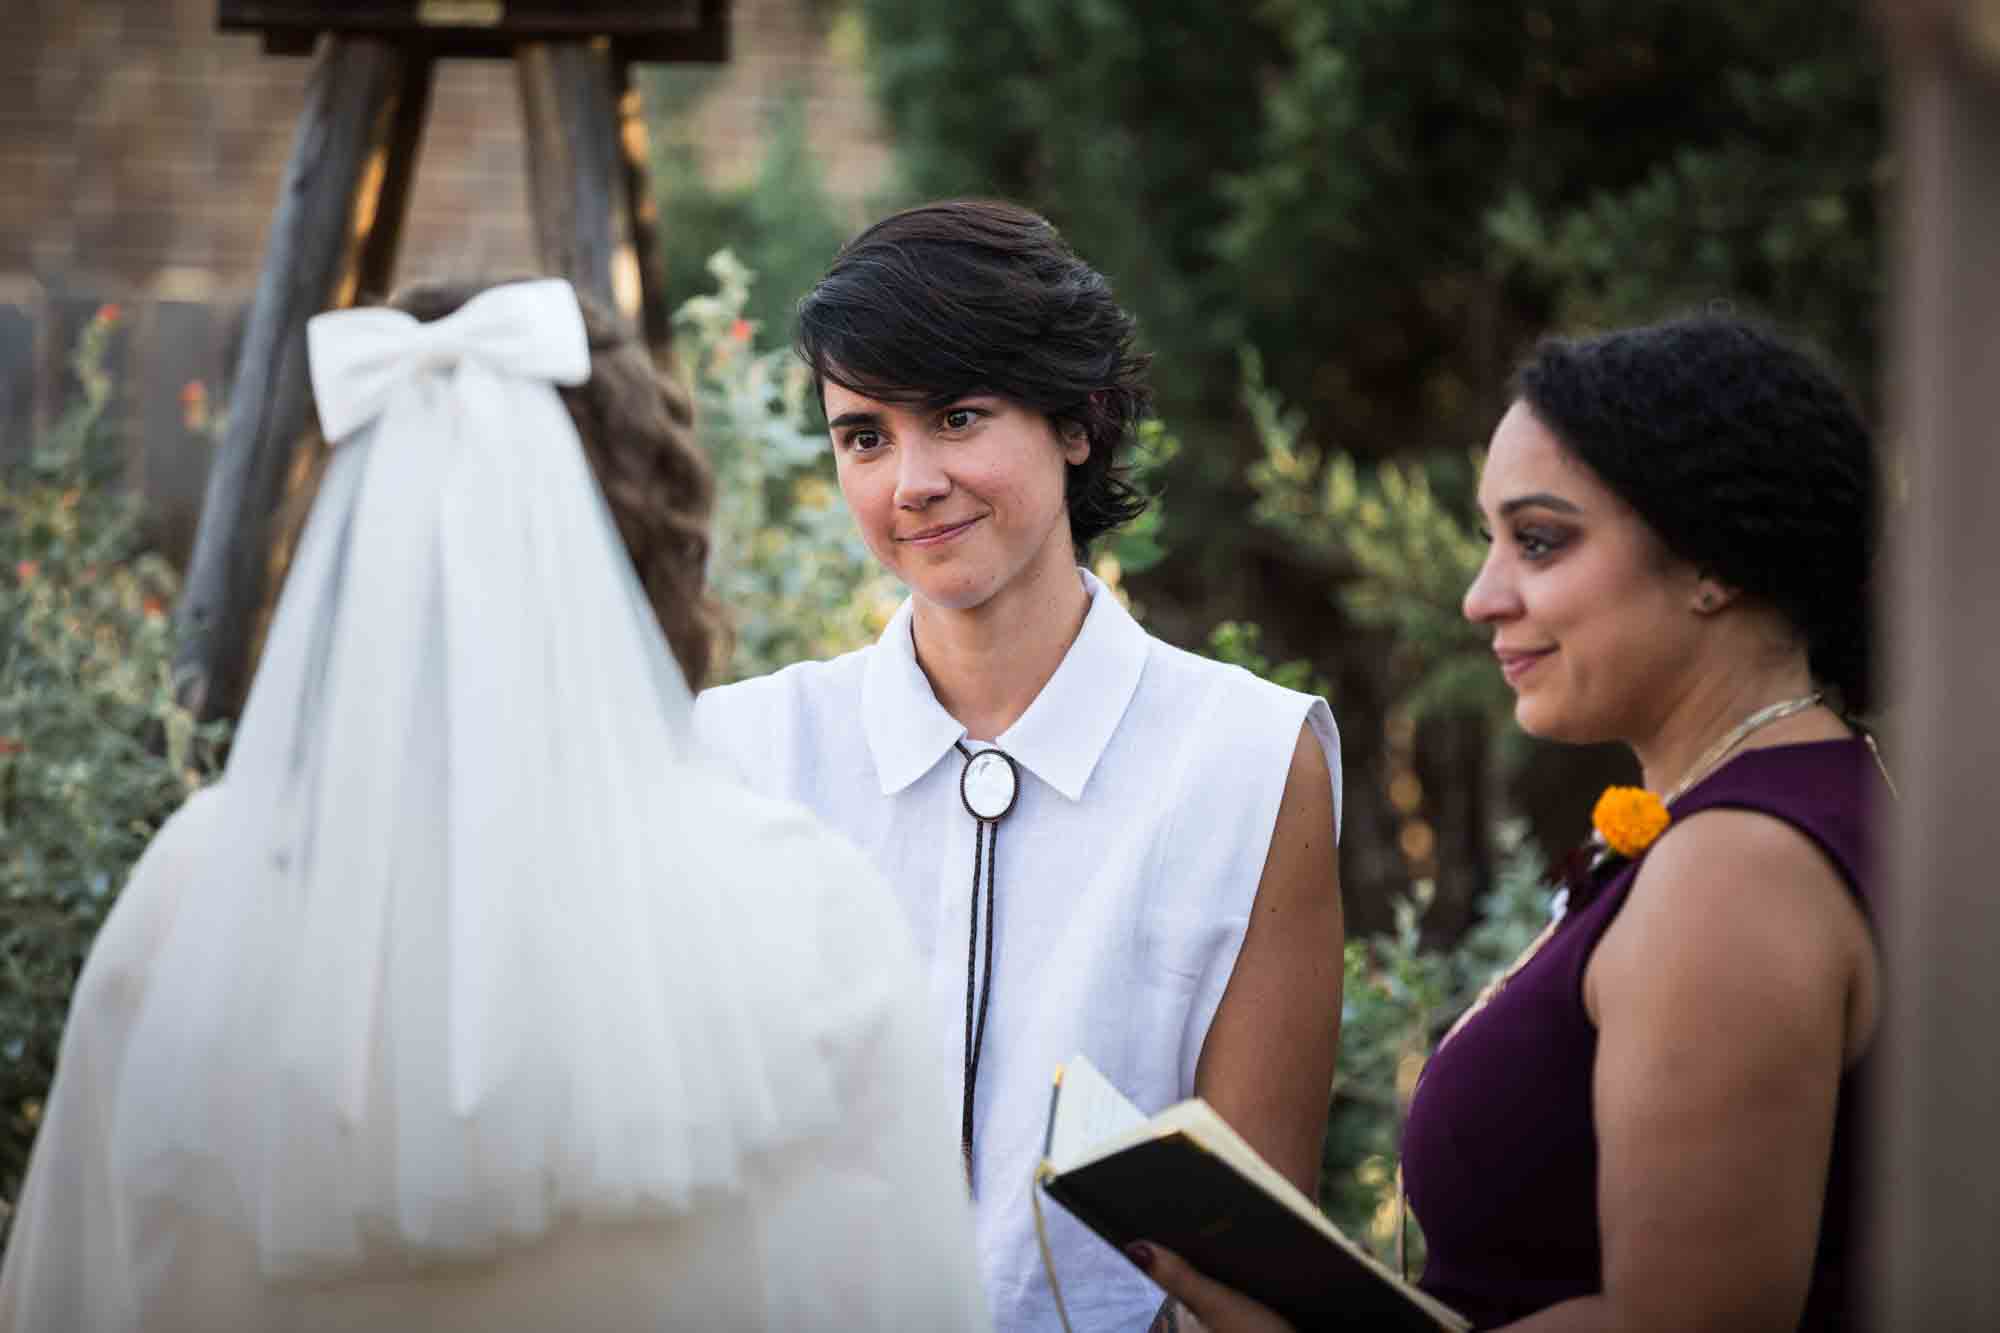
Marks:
<point>637,427</point>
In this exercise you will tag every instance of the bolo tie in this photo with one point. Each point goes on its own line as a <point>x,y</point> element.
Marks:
<point>988,785</point>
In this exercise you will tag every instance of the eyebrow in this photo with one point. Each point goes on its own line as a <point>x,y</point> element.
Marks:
<point>1539,500</point>
<point>846,419</point>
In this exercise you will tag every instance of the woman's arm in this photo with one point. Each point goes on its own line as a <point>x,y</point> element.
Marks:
<point>1729,995</point>
<point>1266,1065</point>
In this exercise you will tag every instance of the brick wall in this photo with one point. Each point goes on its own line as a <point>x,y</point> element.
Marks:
<point>140,156</point>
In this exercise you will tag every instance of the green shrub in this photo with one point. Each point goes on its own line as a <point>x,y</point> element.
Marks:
<point>783,222</point>
<point>95,752</point>
<point>787,562</point>
<point>1398,537</point>
<point>1398,997</point>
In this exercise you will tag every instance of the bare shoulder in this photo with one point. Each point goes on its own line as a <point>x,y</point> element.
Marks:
<point>1305,811</point>
<point>1268,1057</point>
<point>1736,906</point>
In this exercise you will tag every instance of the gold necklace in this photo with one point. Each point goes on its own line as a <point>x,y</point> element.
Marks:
<point>1717,752</point>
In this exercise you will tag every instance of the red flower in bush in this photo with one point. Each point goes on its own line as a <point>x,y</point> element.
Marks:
<point>27,569</point>
<point>109,313</point>
<point>11,745</point>
<point>194,405</point>
<point>153,608</point>
<point>740,330</point>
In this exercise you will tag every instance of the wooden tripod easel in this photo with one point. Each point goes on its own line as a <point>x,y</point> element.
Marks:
<point>340,218</point>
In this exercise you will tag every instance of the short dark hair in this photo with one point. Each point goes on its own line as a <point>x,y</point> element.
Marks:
<point>1745,456</point>
<point>980,296</point>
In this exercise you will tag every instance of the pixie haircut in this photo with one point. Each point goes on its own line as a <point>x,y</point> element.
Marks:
<point>1744,456</point>
<point>976,296</point>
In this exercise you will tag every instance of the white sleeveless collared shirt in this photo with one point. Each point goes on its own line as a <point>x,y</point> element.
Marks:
<point>1125,874</point>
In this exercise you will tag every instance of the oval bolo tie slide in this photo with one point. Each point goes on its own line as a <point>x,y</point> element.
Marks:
<point>989,785</point>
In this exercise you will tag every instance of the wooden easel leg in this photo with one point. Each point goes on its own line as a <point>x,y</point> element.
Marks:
<point>381,226</point>
<point>349,98</point>
<point>642,212</point>
<point>574,169</point>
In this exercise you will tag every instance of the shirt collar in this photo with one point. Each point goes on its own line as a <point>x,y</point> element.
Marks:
<point>1061,736</point>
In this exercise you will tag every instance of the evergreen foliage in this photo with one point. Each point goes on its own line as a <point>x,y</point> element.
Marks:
<point>1411,554</point>
<point>782,222</point>
<point>1385,197</point>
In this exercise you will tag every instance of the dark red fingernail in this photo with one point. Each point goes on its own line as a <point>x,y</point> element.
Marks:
<point>1140,1253</point>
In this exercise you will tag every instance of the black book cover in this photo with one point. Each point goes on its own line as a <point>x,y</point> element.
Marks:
<point>1172,1190</point>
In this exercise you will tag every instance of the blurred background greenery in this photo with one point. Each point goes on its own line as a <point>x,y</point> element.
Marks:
<point>1341,223</point>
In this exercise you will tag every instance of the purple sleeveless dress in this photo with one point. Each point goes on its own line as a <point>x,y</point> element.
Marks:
<point>1500,1152</point>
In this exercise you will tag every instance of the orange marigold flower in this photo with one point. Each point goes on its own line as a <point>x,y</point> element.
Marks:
<point>27,569</point>
<point>740,330</point>
<point>1629,819</point>
<point>109,313</point>
<point>153,608</point>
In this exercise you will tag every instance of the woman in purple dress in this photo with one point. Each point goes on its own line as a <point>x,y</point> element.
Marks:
<point>1651,1121</point>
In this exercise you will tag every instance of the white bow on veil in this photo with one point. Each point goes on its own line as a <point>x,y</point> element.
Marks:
<point>466,961</point>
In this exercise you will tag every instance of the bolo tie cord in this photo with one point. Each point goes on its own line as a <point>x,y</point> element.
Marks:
<point>985,841</point>
<point>978,979</point>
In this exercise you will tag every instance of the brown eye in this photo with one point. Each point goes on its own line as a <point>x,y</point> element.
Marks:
<point>1537,545</point>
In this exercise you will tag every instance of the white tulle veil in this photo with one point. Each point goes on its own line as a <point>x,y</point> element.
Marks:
<point>460,966</point>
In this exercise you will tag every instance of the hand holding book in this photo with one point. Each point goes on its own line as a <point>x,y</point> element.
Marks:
<point>1183,1183</point>
<point>1220,1309</point>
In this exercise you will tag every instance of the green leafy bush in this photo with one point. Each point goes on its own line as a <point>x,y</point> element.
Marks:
<point>95,752</point>
<point>1403,554</point>
<point>787,562</point>
<point>783,222</point>
<point>1398,996</point>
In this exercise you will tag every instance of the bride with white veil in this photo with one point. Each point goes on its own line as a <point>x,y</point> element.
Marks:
<point>472,997</point>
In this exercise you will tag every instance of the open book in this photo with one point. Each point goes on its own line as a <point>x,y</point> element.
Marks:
<point>1184,1178</point>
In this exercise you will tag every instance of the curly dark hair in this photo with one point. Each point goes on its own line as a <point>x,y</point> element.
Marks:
<point>1744,455</point>
<point>637,428</point>
<point>981,296</point>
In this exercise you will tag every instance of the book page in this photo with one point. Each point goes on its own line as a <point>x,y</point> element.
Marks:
<point>1087,1111</point>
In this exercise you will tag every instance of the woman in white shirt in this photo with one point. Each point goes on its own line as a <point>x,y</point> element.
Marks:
<point>469,999</point>
<point>1148,876</point>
